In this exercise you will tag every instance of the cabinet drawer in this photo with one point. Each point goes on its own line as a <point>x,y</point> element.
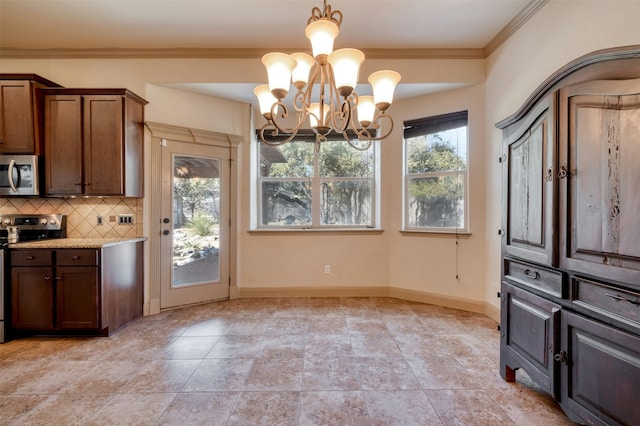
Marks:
<point>31,257</point>
<point>606,299</point>
<point>536,277</point>
<point>84,257</point>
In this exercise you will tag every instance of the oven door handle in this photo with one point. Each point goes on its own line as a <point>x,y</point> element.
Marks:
<point>12,165</point>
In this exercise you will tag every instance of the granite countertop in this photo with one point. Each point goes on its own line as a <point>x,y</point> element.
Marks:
<point>61,243</point>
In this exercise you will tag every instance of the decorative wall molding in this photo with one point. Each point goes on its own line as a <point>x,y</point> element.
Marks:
<point>249,53</point>
<point>525,14</point>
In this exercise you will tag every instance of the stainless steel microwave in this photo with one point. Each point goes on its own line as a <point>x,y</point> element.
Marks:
<point>19,175</point>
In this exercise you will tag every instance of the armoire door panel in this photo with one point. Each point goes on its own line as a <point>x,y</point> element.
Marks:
<point>530,188</point>
<point>603,179</point>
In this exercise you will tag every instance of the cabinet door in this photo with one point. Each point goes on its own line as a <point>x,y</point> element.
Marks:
<point>63,144</point>
<point>103,145</point>
<point>17,133</point>
<point>77,297</point>
<point>528,336</point>
<point>32,298</point>
<point>529,187</point>
<point>600,372</point>
<point>599,196</point>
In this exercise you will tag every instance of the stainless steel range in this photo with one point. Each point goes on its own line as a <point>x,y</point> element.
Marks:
<point>23,227</point>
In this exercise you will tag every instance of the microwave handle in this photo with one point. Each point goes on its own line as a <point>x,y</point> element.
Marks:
<point>12,184</point>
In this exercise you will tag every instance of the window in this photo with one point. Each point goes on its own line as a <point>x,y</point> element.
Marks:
<point>301,188</point>
<point>435,186</point>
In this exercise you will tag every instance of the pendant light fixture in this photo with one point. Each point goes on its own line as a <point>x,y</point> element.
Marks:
<point>326,100</point>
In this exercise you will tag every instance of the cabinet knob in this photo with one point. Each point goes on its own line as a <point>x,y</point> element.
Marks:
<point>47,278</point>
<point>29,257</point>
<point>75,258</point>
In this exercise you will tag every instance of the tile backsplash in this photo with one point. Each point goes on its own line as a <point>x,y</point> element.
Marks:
<point>82,214</point>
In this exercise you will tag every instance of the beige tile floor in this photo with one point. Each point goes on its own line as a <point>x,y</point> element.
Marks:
<point>298,361</point>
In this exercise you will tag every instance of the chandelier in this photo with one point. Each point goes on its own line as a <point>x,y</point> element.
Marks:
<point>325,84</point>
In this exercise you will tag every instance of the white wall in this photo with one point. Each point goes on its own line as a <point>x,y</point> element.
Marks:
<point>427,263</point>
<point>563,30</point>
<point>560,32</point>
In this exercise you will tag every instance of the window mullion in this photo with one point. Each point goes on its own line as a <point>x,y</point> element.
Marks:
<point>316,200</point>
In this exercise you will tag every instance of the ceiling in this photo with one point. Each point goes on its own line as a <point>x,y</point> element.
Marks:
<point>249,28</point>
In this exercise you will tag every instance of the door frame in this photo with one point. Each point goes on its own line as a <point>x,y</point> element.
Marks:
<point>158,133</point>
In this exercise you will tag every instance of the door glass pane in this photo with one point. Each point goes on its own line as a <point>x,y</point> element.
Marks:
<point>196,220</point>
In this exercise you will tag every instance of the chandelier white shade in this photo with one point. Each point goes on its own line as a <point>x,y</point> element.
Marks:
<point>324,82</point>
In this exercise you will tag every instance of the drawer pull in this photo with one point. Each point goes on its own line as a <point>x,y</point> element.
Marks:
<point>533,275</point>
<point>76,258</point>
<point>30,257</point>
<point>635,302</point>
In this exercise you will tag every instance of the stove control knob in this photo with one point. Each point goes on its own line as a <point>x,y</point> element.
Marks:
<point>43,221</point>
<point>52,222</point>
<point>7,222</point>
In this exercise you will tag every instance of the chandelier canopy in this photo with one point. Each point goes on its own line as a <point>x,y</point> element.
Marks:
<point>333,75</point>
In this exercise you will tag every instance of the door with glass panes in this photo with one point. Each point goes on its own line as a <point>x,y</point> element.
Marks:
<point>195,218</point>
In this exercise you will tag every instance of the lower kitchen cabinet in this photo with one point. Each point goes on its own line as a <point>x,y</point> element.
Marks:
<point>32,298</point>
<point>77,297</point>
<point>86,291</point>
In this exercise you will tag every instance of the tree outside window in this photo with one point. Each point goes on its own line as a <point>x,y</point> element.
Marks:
<point>436,173</point>
<point>302,188</point>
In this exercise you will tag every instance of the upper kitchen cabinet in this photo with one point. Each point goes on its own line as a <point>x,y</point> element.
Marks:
<point>93,142</point>
<point>21,113</point>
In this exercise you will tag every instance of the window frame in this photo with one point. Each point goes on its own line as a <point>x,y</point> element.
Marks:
<point>426,126</point>
<point>316,181</point>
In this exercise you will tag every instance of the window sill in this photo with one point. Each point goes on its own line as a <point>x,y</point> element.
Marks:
<point>329,231</point>
<point>433,234</point>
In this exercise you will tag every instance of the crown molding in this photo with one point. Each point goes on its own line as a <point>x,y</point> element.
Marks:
<point>518,21</point>
<point>249,53</point>
<point>183,53</point>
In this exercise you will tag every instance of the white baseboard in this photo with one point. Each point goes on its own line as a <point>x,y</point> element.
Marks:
<point>255,292</point>
<point>492,312</point>
<point>399,293</point>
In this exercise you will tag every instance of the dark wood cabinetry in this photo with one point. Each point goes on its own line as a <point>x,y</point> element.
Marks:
<point>570,311</point>
<point>21,113</point>
<point>600,371</point>
<point>75,290</point>
<point>94,142</point>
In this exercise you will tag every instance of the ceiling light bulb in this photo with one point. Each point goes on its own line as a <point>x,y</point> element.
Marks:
<point>384,84</point>
<point>346,66</point>
<point>265,100</point>
<point>366,109</point>
<point>300,75</point>
<point>279,68</point>
<point>322,33</point>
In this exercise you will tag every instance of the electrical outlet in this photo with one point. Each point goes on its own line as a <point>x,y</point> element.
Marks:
<point>99,220</point>
<point>327,269</point>
<point>125,219</point>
